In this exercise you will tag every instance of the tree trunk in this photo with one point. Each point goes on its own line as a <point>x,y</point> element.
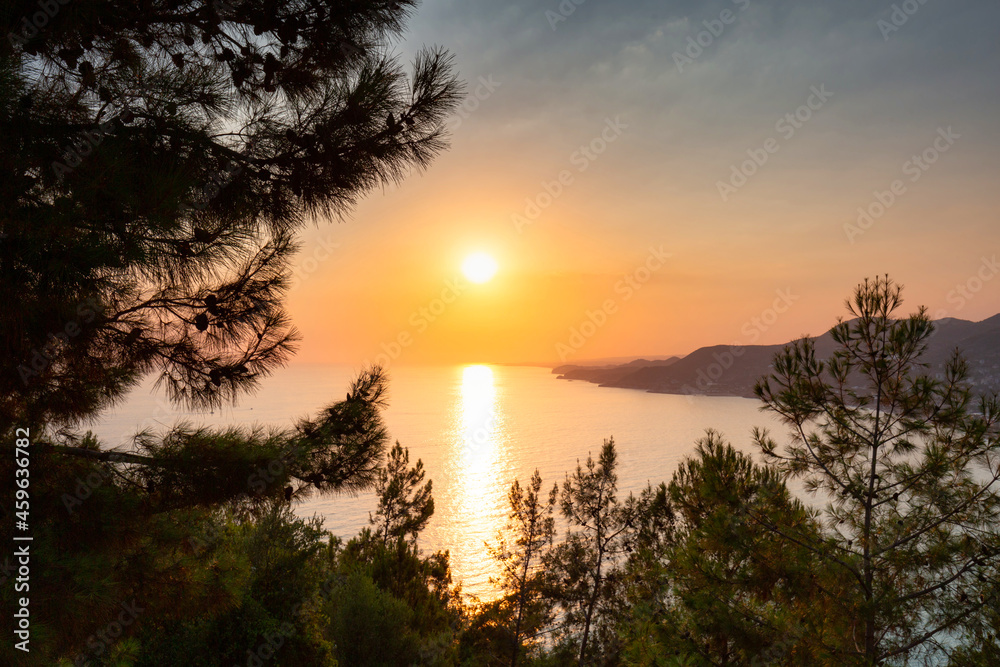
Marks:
<point>867,535</point>
<point>591,604</point>
<point>520,611</point>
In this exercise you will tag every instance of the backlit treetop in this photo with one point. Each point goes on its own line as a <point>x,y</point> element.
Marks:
<point>155,160</point>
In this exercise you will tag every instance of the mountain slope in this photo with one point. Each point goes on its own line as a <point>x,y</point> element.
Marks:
<point>723,370</point>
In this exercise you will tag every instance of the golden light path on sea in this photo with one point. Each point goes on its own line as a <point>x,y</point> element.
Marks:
<point>481,466</point>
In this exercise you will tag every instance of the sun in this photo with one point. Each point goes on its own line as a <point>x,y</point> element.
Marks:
<point>479,267</point>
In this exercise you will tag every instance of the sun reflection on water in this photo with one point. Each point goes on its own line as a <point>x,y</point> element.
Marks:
<point>479,460</point>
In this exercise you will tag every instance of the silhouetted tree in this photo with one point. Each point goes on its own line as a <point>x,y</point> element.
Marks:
<point>154,527</point>
<point>595,541</point>
<point>519,550</point>
<point>908,467</point>
<point>156,159</point>
<point>404,507</point>
<point>404,609</point>
<point>339,451</point>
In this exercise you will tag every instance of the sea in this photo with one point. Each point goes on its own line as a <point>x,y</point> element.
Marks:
<point>476,428</point>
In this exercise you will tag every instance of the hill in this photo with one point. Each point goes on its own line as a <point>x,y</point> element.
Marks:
<point>726,370</point>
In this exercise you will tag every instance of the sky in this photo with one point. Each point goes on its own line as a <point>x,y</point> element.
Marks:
<point>655,176</point>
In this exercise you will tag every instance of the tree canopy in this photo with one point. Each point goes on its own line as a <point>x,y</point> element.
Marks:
<point>908,467</point>
<point>155,161</point>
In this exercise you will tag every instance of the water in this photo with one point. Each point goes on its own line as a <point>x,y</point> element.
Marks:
<point>477,428</point>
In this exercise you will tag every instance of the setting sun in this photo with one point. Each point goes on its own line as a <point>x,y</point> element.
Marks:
<point>479,267</point>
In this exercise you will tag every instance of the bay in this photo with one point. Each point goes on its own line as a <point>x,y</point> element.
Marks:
<point>476,428</point>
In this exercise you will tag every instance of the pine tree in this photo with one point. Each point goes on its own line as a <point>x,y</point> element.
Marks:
<point>385,568</point>
<point>152,527</point>
<point>907,465</point>
<point>736,593</point>
<point>339,451</point>
<point>641,588</point>
<point>595,541</point>
<point>520,550</point>
<point>404,507</point>
<point>156,159</point>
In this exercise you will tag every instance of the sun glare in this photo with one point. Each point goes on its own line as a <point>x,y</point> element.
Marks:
<point>479,267</point>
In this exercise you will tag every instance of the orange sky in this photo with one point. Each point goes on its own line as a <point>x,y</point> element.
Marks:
<point>762,261</point>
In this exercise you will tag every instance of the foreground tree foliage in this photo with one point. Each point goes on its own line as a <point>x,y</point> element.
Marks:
<point>907,465</point>
<point>736,594</point>
<point>113,528</point>
<point>395,606</point>
<point>339,451</point>
<point>155,162</point>
<point>275,615</point>
<point>404,506</point>
<point>524,609</point>
<point>102,553</point>
<point>585,561</point>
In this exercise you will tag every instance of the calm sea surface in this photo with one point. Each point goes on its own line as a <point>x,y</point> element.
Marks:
<point>477,428</point>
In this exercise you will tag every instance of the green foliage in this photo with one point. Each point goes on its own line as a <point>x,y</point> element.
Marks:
<point>195,530</point>
<point>404,580</point>
<point>387,588</point>
<point>275,615</point>
<point>584,565</point>
<point>404,507</point>
<point>155,163</point>
<point>520,551</point>
<point>249,467</point>
<point>370,626</point>
<point>980,640</point>
<point>101,547</point>
<point>735,592</point>
<point>906,464</point>
<point>639,601</point>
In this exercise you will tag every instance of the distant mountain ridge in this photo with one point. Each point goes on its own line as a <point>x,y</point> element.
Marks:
<point>728,370</point>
